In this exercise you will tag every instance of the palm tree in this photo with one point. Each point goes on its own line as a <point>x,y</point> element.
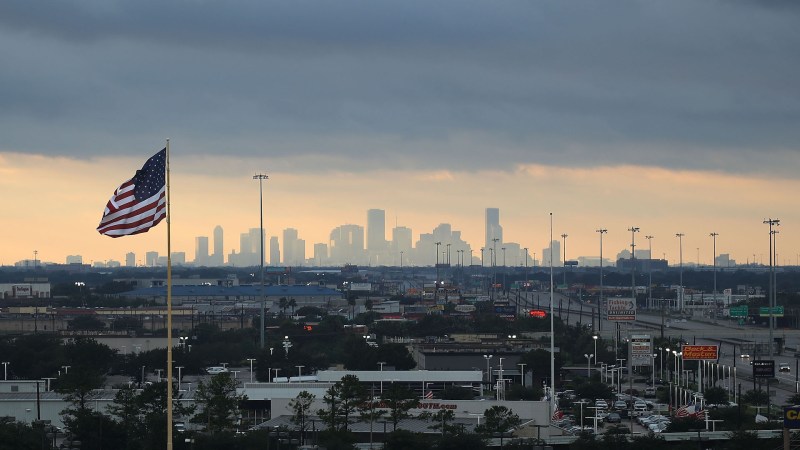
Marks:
<point>292,303</point>
<point>283,304</point>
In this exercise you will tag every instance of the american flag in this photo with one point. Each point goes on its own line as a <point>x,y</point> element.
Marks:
<point>139,203</point>
<point>429,394</point>
<point>557,414</point>
<point>686,410</point>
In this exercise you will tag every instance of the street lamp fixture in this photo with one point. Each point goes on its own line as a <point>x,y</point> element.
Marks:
<point>588,364</point>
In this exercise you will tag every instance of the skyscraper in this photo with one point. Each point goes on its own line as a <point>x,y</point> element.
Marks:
<point>402,242</point>
<point>218,259</point>
<point>377,247</point>
<point>347,244</point>
<point>294,248</point>
<point>274,252</point>
<point>201,251</point>
<point>493,228</point>
<point>130,259</point>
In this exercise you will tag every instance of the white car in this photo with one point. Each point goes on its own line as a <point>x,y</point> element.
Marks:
<point>784,367</point>
<point>214,370</point>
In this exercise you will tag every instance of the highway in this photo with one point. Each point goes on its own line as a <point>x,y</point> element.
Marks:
<point>729,335</point>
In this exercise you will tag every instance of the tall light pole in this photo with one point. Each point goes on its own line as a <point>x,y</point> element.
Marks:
<point>772,223</point>
<point>494,265</point>
<point>251,368</point>
<point>564,240</point>
<point>680,282</point>
<point>714,259</point>
<point>482,249</point>
<point>5,370</point>
<point>261,177</point>
<point>649,269</point>
<point>588,364</point>
<point>488,359</point>
<point>180,368</point>
<point>504,256</point>
<point>601,231</point>
<point>552,329</point>
<point>633,231</point>
<point>436,286</point>
<point>594,337</point>
<point>522,373</point>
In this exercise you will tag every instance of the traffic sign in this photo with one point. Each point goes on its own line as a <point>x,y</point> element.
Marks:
<point>764,368</point>
<point>777,311</point>
<point>739,311</point>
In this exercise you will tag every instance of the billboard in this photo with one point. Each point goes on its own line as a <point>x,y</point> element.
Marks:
<point>362,287</point>
<point>641,350</point>
<point>621,309</point>
<point>791,417</point>
<point>22,290</point>
<point>764,368</point>
<point>700,352</point>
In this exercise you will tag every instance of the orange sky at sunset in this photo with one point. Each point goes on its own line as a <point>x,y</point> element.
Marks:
<point>54,204</point>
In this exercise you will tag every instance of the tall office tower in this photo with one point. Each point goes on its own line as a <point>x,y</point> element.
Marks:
<point>291,253</point>
<point>218,258</point>
<point>151,259</point>
<point>130,259</point>
<point>556,247</point>
<point>347,245</point>
<point>376,236</point>
<point>493,228</point>
<point>320,255</point>
<point>250,248</point>
<point>274,252</point>
<point>402,242</point>
<point>201,251</point>
<point>74,259</point>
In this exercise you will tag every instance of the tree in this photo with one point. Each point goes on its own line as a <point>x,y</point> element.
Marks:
<point>219,403</point>
<point>498,420</point>
<point>342,399</point>
<point>793,400</point>
<point>399,400</point>
<point>757,397</point>
<point>301,408</point>
<point>716,396</point>
<point>90,323</point>
<point>292,303</point>
<point>283,303</point>
<point>442,420</point>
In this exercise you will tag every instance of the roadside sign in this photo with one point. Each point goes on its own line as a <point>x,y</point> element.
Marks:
<point>764,368</point>
<point>621,309</point>
<point>641,348</point>
<point>739,311</point>
<point>791,417</point>
<point>700,352</point>
<point>777,311</point>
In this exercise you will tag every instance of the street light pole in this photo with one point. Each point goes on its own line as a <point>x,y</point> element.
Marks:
<point>680,282</point>
<point>564,240</point>
<point>251,368</point>
<point>714,257</point>
<point>602,231</point>
<point>261,177</point>
<point>772,223</point>
<point>588,364</point>
<point>649,270</point>
<point>594,337</point>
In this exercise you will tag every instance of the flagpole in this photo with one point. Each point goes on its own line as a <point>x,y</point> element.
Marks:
<point>169,315</point>
<point>552,330</point>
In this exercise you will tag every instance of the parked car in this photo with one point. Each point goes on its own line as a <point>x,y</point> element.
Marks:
<point>601,404</point>
<point>613,418</point>
<point>784,367</point>
<point>619,404</point>
<point>214,370</point>
<point>650,392</point>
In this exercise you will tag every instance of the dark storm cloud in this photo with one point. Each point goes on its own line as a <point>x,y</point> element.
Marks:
<point>461,84</point>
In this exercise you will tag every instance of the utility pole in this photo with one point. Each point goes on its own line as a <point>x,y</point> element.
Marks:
<point>602,231</point>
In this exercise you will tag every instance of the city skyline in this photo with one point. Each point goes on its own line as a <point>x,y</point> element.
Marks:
<point>606,115</point>
<point>420,252</point>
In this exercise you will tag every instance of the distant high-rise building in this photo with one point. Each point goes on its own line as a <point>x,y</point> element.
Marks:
<point>294,248</point>
<point>130,259</point>
<point>347,244</point>
<point>218,258</point>
<point>178,258</point>
<point>320,255</point>
<point>74,259</point>
<point>555,246</point>
<point>201,251</point>
<point>493,228</point>
<point>450,247</point>
<point>151,259</point>
<point>274,252</point>
<point>402,241</point>
<point>377,247</point>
